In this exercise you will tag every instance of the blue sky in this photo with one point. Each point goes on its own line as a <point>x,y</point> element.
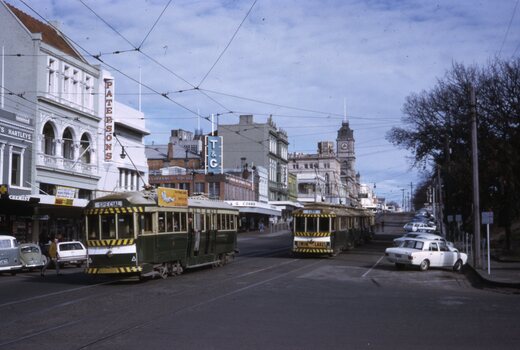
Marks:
<point>309,55</point>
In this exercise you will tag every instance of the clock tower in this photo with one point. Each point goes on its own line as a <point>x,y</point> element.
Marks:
<point>347,158</point>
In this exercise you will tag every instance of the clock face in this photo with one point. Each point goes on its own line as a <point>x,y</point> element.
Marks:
<point>344,146</point>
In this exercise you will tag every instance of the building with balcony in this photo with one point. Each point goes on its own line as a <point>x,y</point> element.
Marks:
<point>318,175</point>
<point>53,90</point>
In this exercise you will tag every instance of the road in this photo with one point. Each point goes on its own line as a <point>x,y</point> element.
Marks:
<point>265,299</point>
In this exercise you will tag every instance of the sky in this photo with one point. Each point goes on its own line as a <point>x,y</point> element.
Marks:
<point>305,62</point>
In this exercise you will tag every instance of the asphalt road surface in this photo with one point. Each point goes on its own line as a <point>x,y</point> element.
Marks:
<point>264,299</point>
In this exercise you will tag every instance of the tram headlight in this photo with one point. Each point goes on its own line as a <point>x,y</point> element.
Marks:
<point>109,254</point>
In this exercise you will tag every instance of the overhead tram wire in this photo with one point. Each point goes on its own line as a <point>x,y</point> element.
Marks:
<point>153,26</point>
<point>110,66</point>
<point>126,75</point>
<point>508,28</point>
<point>228,44</point>
<point>193,87</point>
<point>203,91</point>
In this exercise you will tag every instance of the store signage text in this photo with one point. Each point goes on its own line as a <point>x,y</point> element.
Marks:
<point>109,119</point>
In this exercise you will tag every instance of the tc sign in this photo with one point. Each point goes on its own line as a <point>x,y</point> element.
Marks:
<point>214,154</point>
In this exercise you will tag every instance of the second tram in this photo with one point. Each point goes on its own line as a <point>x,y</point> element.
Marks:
<point>327,229</point>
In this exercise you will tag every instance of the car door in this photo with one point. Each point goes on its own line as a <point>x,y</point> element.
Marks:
<point>434,254</point>
<point>447,257</point>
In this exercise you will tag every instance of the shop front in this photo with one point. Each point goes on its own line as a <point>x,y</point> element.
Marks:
<point>256,216</point>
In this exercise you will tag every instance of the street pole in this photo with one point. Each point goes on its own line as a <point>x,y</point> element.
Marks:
<point>476,199</point>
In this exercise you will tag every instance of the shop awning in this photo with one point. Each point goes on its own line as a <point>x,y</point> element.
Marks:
<point>256,208</point>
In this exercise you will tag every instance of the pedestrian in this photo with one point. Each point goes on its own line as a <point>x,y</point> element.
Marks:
<point>52,256</point>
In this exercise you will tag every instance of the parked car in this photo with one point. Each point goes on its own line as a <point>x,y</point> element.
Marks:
<point>31,256</point>
<point>419,227</point>
<point>426,253</point>
<point>398,241</point>
<point>9,255</point>
<point>73,253</point>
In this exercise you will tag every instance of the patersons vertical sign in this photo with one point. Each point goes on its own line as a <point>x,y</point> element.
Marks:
<point>109,120</point>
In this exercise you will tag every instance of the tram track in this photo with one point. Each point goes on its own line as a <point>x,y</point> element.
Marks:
<point>217,282</point>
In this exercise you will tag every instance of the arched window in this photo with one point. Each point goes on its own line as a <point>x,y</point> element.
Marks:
<point>84,149</point>
<point>48,139</point>
<point>68,144</point>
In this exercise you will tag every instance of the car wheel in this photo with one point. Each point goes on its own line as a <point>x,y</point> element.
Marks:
<point>458,266</point>
<point>425,264</point>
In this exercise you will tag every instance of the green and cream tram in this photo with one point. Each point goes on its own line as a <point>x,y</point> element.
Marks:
<point>327,229</point>
<point>158,233</point>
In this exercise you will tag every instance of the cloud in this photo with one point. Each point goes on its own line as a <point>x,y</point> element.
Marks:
<point>307,54</point>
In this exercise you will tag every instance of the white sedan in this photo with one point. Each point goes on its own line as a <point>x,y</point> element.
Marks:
<point>426,253</point>
<point>419,227</point>
<point>72,252</point>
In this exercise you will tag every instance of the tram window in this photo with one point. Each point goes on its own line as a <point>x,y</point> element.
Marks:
<point>300,224</point>
<point>324,224</point>
<point>125,225</point>
<point>169,221</point>
<point>183,226</point>
<point>161,223</point>
<point>231,222</point>
<point>108,226</point>
<point>226,221</point>
<point>145,223</point>
<point>333,224</point>
<point>93,226</point>
<point>312,224</point>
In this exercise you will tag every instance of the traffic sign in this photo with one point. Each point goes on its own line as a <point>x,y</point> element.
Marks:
<point>487,218</point>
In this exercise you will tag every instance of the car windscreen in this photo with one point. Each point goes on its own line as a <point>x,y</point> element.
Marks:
<point>5,243</point>
<point>70,246</point>
<point>30,249</point>
<point>412,244</point>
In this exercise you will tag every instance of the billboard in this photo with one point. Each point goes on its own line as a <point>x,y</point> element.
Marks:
<point>214,155</point>
<point>171,197</point>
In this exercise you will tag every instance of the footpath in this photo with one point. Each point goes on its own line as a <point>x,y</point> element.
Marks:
<point>504,271</point>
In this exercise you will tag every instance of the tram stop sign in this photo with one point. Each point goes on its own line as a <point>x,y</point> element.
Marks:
<point>487,218</point>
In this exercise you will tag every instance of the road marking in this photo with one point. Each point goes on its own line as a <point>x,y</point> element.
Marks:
<point>366,273</point>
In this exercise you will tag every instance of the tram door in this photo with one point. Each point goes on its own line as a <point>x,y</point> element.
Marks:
<point>197,227</point>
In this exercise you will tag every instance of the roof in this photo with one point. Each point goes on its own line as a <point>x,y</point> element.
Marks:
<point>156,151</point>
<point>49,35</point>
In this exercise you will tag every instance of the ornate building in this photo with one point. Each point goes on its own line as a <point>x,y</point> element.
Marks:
<point>347,156</point>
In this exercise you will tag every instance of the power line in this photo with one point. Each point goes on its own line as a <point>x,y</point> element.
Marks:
<point>153,26</point>
<point>508,28</point>
<point>228,44</point>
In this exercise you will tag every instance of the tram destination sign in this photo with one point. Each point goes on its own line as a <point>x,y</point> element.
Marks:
<point>108,204</point>
<point>312,211</point>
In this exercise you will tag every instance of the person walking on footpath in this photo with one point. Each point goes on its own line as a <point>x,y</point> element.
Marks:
<point>53,255</point>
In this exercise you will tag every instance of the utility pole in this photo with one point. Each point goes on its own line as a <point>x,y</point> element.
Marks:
<point>411,196</point>
<point>476,198</point>
<point>402,202</point>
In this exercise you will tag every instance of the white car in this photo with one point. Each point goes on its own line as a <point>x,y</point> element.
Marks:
<point>419,227</point>
<point>426,253</point>
<point>72,252</point>
<point>398,241</point>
